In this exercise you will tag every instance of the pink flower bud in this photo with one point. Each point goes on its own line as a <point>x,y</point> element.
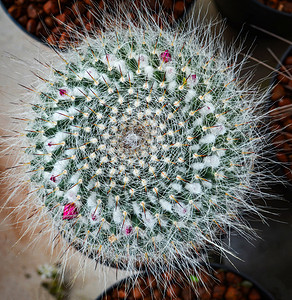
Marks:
<point>192,80</point>
<point>193,77</point>
<point>128,229</point>
<point>53,178</point>
<point>94,217</point>
<point>166,57</point>
<point>62,92</point>
<point>70,211</point>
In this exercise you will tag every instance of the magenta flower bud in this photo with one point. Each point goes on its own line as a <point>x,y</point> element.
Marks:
<point>166,57</point>
<point>62,92</point>
<point>94,217</point>
<point>70,211</point>
<point>193,78</point>
<point>53,178</point>
<point>128,229</point>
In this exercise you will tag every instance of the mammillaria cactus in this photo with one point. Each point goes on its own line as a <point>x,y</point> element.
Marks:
<point>141,145</point>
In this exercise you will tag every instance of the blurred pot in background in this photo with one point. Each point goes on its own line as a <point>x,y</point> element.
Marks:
<point>274,16</point>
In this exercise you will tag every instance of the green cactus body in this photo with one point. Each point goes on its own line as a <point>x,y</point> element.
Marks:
<point>142,145</point>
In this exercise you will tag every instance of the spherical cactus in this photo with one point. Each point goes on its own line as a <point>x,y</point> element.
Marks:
<point>141,145</point>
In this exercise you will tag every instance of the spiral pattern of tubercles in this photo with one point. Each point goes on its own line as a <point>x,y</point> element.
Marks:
<point>141,149</point>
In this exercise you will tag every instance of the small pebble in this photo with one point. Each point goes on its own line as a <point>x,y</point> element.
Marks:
<point>51,7</point>
<point>14,11</point>
<point>157,295</point>
<point>288,60</point>
<point>233,278</point>
<point>49,21</point>
<point>32,11</point>
<point>121,294</point>
<point>173,290</point>
<point>187,293</point>
<point>284,101</point>
<point>23,20</point>
<point>282,78</point>
<point>278,92</point>
<point>219,291</point>
<point>20,2</point>
<point>220,276</point>
<point>31,26</point>
<point>254,295</point>
<point>179,8</point>
<point>233,294</point>
<point>137,293</point>
<point>40,30</point>
<point>61,19</point>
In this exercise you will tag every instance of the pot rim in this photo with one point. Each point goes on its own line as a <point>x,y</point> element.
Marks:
<point>264,6</point>
<point>264,293</point>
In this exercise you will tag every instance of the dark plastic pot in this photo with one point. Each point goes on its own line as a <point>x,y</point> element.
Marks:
<point>43,40</point>
<point>2,5</point>
<point>288,52</point>
<point>240,12</point>
<point>264,293</point>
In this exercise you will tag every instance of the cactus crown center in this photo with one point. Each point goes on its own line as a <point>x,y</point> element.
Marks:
<point>132,140</point>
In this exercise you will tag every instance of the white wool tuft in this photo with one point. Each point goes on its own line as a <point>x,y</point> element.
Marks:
<point>207,109</point>
<point>149,220</point>
<point>93,74</point>
<point>111,201</point>
<point>117,215</point>
<point>198,122</point>
<point>137,208</point>
<point>181,209</point>
<point>177,187</point>
<point>91,200</point>
<point>212,161</point>
<point>198,166</point>
<point>143,60</point>
<point>77,92</point>
<point>166,205</point>
<point>72,111</point>
<point>149,71</point>
<point>172,85</point>
<point>207,184</point>
<point>74,178</point>
<point>208,97</point>
<point>195,147</point>
<point>71,195</point>
<point>208,139</point>
<point>194,188</point>
<point>218,129</point>
<point>170,73</point>
<point>190,95</point>
<point>120,64</point>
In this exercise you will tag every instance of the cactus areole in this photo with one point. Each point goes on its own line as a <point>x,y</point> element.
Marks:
<point>142,144</point>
